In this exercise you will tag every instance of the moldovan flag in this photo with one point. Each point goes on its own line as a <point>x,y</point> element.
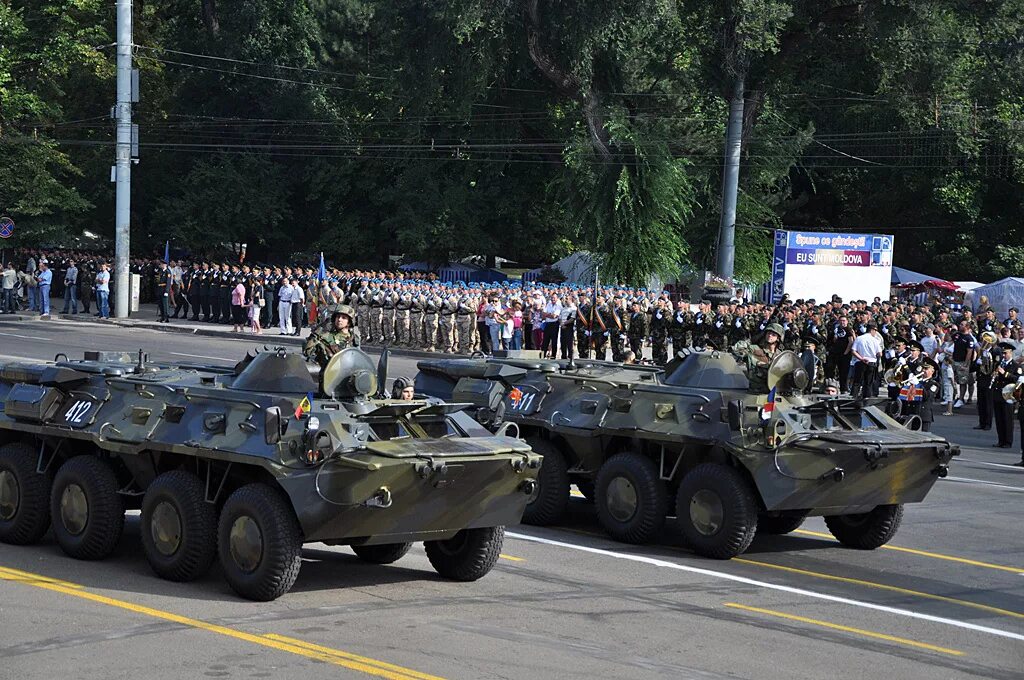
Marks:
<point>304,406</point>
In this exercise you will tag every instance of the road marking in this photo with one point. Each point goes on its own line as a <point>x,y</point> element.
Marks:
<point>510,558</point>
<point>846,629</point>
<point>925,553</point>
<point>24,337</point>
<point>398,670</point>
<point>1017,468</point>
<point>199,356</point>
<point>985,483</point>
<point>333,656</point>
<point>771,586</point>
<point>832,577</point>
<point>9,574</point>
<point>882,586</point>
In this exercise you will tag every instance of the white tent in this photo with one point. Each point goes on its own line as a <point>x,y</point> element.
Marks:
<point>968,285</point>
<point>1002,295</point>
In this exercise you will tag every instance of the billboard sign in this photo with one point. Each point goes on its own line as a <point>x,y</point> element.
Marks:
<point>809,264</point>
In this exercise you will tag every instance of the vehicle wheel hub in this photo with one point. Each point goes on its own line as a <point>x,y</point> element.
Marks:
<point>165,528</point>
<point>707,512</point>
<point>10,494</point>
<point>621,499</point>
<point>74,509</point>
<point>246,543</point>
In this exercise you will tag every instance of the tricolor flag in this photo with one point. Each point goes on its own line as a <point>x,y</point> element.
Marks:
<point>305,405</point>
<point>769,406</point>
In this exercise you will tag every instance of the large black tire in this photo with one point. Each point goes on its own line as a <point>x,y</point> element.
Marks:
<point>717,511</point>
<point>467,556</point>
<point>261,560</point>
<point>87,512</point>
<point>548,503</point>
<point>24,496</point>
<point>631,498</point>
<point>869,530</point>
<point>381,554</point>
<point>178,528</point>
<point>777,525</point>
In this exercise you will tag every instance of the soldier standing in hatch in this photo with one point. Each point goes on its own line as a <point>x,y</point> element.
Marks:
<point>761,356</point>
<point>327,340</point>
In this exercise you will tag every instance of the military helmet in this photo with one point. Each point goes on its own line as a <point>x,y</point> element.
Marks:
<point>777,329</point>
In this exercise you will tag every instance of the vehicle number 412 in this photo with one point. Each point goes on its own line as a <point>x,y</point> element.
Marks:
<point>78,411</point>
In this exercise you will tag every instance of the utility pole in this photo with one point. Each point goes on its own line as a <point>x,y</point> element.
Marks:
<point>731,181</point>
<point>123,157</point>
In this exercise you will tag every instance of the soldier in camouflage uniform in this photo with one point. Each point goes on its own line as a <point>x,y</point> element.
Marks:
<point>402,309</point>
<point>465,322</point>
<point>659,333</point>
<point>637,330</point>
<point>617,327</point>
<point>329,339</point>
<point>446,322</point>
<point>679,325</point>
<point>388,313</point>
<point>431,307</point>
<point>720,327</point>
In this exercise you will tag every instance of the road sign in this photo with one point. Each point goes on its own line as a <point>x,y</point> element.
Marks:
<point>6,227</point>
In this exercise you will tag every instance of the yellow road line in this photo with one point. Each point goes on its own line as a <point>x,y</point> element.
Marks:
<point>510,558</point>
<point>354,662</point>
<point>847,629</point>
<point>9,574</point>
<point>924,553</point>
<point>403,672</point>
<point>882,586</point>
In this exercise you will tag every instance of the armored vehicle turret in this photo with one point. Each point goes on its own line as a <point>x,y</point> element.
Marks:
<point>246,464</point>
<point>695,441</point>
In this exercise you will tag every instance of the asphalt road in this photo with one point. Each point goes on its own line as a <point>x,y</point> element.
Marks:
<point>946,599</point>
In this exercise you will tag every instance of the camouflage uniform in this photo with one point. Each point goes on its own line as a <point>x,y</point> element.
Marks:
<point>637,332</point>
<point>679,327</point>
<point>659,337</point>
<point>583,330</point>
<point>322,345</point>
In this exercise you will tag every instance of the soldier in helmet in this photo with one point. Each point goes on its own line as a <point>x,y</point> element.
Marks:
<point>326,341</point>
<point>761,356</point>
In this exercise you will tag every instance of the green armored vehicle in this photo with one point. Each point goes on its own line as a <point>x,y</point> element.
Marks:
<point>633,438</point>
<point>246,464</point>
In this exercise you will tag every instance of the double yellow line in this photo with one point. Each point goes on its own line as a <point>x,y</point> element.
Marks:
<point>906,642</point>
<point>337,657</point>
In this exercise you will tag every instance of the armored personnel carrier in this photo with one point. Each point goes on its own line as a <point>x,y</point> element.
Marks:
<point>693,440</point>
<point>247,464</point>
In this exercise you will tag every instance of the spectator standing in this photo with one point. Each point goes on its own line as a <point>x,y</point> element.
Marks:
<point>536,323</point>
<point>33,285</point>
<point>103,292</point>
<point>238,307</point>
<point>10,280</point>
<point>517,325</point>
<point>44,279</point>
<point>483,331</point>
<point>71,289</point>
<point>550,315</point>
<point>284,307</point>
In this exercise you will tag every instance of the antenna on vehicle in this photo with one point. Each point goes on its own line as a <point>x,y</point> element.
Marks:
<point>141,366</point>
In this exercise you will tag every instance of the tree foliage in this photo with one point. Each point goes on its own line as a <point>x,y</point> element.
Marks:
<point>526,128</point>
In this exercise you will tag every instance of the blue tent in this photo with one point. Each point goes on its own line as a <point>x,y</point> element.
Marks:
<point>902,276</point>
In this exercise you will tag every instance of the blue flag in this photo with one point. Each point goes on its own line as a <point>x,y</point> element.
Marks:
<point>322,272</point>
<point>167,252</point>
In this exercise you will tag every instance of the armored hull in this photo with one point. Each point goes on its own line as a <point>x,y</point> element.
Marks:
<point>633,438</point>
<point>248,464</point>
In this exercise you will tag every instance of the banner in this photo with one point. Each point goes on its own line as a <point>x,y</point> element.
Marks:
<point>816,265</point>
